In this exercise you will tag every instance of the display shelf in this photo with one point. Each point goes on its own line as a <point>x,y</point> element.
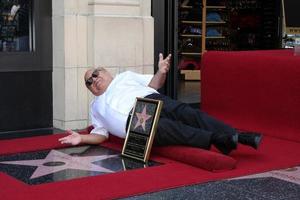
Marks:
<point>190,22</point>
<point>215,37</point>
<point>190,35</point>
<point>215,7</point>
<point>190,53</point>
<point>215,22</point>
<point>191,75</point>
<point>186,7</point>
<point>217,26</point>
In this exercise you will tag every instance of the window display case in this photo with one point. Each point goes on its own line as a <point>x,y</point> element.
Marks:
<point>222,25</point>
<point>15,25</point>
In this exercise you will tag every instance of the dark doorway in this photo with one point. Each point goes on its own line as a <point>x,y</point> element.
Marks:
<point>164,13</point>
<point>25,65</point>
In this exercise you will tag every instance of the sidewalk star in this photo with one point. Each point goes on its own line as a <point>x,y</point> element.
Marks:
<point>57,161</point>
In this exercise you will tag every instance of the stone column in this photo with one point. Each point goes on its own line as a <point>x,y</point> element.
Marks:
<point>116,34</point>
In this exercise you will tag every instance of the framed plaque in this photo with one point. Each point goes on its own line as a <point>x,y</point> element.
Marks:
<point>142,129</point>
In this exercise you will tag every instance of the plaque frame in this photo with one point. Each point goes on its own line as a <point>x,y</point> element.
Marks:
<point>141,129</point>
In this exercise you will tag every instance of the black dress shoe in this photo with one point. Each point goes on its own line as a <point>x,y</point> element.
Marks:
<point>250,138</point>
<point>225,142</point>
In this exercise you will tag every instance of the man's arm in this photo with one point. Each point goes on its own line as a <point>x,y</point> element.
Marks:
<point>159,78</point>
<point>75,138</point>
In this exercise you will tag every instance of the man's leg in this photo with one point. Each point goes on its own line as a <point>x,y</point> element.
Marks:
<point>170,132</point>
<point>184,113</point>
<point>224,137</point>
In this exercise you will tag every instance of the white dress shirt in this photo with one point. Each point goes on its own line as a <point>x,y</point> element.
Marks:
<point>109,111</point>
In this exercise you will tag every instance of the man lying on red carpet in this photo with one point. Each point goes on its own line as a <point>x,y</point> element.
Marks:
<point>179,124</point>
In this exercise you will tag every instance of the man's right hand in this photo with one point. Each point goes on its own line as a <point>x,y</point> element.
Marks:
<point>74,138</point>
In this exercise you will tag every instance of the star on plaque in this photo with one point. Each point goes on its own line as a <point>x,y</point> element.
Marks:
<point>57,161</point>
<point>142,118</point>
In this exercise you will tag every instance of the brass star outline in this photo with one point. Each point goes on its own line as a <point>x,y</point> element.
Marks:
<point>142,118</point>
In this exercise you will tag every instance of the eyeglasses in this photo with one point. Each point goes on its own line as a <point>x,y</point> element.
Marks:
<point>95,74</point>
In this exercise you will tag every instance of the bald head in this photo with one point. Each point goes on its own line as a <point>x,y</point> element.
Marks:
<point>97,80</point>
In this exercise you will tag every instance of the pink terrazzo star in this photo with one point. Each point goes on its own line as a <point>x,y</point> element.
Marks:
<point>57,161</point>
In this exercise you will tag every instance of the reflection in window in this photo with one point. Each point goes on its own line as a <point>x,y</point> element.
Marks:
<point>15,22</point>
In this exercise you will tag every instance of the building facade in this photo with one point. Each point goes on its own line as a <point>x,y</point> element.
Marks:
<point>116,34</point>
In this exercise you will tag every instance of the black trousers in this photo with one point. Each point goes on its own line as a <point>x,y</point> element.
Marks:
<point>180,124</point>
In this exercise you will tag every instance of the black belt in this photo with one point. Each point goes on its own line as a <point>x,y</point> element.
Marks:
<point>128,119</point>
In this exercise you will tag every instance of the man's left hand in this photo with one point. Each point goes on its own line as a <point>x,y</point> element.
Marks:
<point>164,64</point>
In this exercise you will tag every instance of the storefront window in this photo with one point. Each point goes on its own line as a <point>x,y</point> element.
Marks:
<point>15,25</point>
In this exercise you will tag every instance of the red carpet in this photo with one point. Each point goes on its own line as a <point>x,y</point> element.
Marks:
<point>253,90</point>
<point>273,154</point>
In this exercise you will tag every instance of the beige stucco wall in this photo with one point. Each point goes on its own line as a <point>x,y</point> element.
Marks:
<point>117,34</point>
